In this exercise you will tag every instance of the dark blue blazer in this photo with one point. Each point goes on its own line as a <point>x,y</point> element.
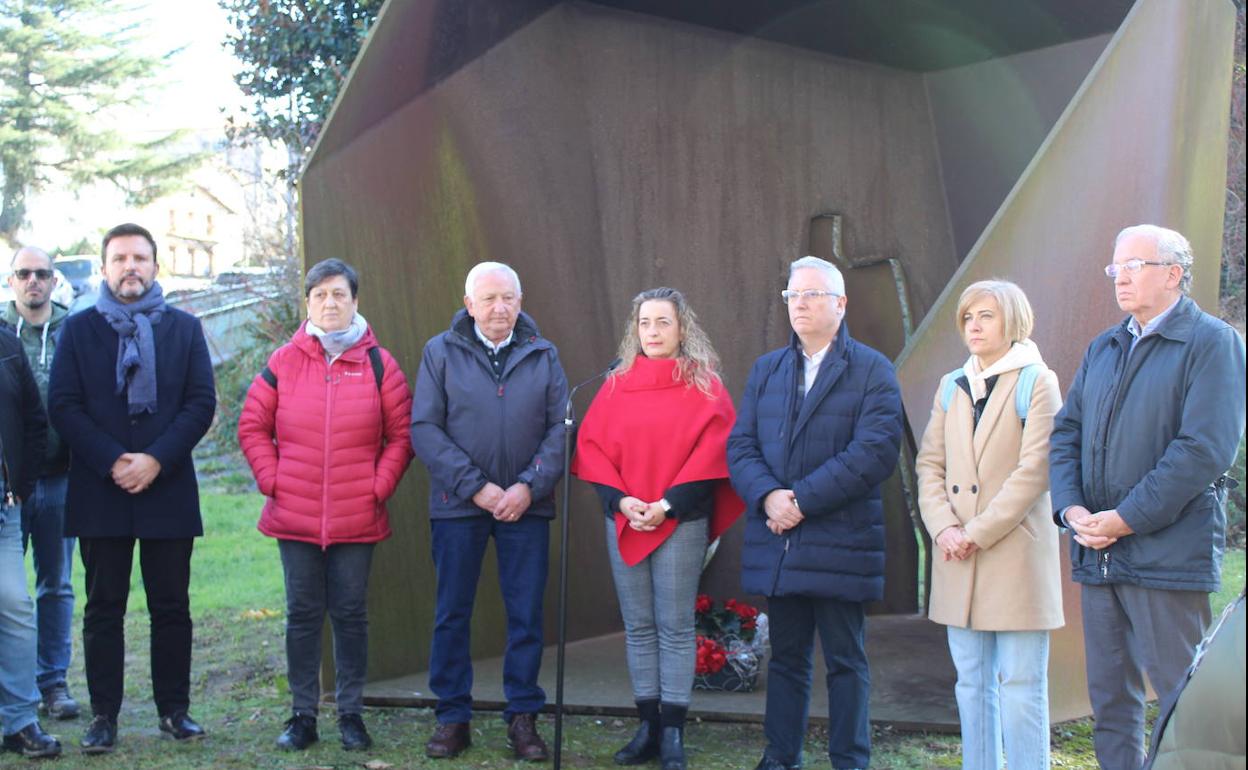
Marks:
<point>94,421</point>
<point>833,448</point>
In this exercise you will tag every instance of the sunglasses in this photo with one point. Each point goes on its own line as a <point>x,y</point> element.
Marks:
<point>24,275</point>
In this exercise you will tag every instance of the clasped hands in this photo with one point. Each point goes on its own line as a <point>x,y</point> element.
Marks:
<point>135,471</point>
<point>642,516</point>
<point>780,505</point>
<point>1096,530</point>
<point>504,504</point>
<point>955,544</point>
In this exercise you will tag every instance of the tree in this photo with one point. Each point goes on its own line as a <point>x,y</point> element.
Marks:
<point>67,69</point>
<point>295,55</point>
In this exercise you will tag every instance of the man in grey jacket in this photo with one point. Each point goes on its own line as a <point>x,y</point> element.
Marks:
<point>1138,455</point>
<point>37,321</point>
<point>487,421</point>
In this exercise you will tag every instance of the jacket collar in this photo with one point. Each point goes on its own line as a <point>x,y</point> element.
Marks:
<point>833,366</point>
<point>312,346</point>
<point>1176,326</point>
<point>524,333</point>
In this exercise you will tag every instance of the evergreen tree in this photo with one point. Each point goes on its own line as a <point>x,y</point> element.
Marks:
<point>68,69</point>
<point>295,56</point>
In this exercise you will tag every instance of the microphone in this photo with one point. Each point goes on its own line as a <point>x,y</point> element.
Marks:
<point>567,409</point>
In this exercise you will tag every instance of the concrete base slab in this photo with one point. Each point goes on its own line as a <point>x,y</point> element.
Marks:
<point>912,680</point>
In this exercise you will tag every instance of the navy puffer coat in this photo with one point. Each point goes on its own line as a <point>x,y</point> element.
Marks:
<point>833,448</point>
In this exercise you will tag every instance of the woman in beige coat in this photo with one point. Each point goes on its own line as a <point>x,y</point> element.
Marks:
<point>983,493</point>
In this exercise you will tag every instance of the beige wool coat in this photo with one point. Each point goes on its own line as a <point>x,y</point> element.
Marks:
<point>994,481</point>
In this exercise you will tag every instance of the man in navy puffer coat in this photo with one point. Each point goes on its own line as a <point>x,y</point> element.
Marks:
<point>817,432</point>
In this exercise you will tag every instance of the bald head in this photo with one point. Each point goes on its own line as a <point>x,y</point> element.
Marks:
<point>28,256</point>
<point>32,283</point>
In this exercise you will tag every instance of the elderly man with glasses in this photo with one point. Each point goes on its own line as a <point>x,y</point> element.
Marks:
<point>37,321</point>
<point>817,432</point>
<point>1137,460</point>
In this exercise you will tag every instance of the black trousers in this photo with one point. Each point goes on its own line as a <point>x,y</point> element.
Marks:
<point>793,622</point>
<point>166,566</point>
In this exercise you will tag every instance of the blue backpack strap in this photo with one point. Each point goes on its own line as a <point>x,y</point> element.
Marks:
<point>1024,388</point>
<point>950,387</point>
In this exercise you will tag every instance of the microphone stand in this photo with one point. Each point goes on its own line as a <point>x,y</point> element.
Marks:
<point>569,423</point>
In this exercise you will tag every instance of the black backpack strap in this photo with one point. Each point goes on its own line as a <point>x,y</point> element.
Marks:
<point>374,357</point>
<point>379,369</point>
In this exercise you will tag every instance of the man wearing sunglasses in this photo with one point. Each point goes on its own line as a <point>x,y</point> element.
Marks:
<point>36,320</point>
<point>23,433</point>
<point>1137,460</point>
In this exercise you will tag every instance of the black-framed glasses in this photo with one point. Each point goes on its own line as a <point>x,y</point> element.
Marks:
<point>810,295</point>
<point>24,274</point>
<point>1132,266</point>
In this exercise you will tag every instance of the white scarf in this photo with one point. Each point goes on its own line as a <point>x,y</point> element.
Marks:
<point>1020,354</point>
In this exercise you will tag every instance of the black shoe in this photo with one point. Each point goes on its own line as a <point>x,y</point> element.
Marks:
<point>643,747</point>
<point>32,741</point>
<point>299,734</point>
<point>57,703</point>
<point>672,749</point>
<point>355,736</point>
<point>181,727</point>
<point>101,735</point>
<point>767,763</point>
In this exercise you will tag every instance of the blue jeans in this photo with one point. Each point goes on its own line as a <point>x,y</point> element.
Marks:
<point>43,524</point>
<point>18,695</point>
<point>458,550</point>
<point>333,581</point>
<point>1003,697</point>
<point>841,625</point>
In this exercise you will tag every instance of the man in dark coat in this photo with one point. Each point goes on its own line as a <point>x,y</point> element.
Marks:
<point>817,432</point>
<point>487,421</point>
<point>1152,421</point>
<point>23,437</point>
<point>132,394</point>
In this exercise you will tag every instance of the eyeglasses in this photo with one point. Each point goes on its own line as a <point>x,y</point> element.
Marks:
<point>1132,266</point>
<point>810,295</point>
<point>24,274</point>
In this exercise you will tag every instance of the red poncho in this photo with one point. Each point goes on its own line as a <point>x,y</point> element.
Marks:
<point>644,434</point>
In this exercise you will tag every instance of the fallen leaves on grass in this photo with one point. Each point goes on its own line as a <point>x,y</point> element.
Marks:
<point>261,614</point>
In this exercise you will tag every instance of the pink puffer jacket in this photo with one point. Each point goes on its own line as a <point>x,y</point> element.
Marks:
<point>327,446</point>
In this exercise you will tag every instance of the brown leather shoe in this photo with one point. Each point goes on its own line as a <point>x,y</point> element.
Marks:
<point>449,740</point>
<point>523,739</point>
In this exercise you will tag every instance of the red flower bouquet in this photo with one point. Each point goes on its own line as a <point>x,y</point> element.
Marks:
<point>731,642</point>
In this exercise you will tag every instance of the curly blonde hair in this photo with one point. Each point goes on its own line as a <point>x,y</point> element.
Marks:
<point>697,363</point>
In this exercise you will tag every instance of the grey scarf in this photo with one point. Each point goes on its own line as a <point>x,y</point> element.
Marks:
<point>136,348</point>
<point>339,342</point>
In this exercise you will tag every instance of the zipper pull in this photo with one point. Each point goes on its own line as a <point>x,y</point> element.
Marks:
<point>786,543</point>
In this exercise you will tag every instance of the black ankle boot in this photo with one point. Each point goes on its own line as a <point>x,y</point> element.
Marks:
<point>645,744</point>
<point>672,742</point>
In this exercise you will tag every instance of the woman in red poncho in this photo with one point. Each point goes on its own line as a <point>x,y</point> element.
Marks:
<point>653,443</point>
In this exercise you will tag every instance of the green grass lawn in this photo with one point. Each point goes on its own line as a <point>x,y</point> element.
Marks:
<point>239,694</point>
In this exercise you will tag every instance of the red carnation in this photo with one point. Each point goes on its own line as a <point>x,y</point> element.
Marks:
<point>703,603</point>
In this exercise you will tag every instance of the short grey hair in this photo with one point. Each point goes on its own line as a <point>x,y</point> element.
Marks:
<point>833,277</point>
<point>483,268</point>
<point>1171,247</point>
